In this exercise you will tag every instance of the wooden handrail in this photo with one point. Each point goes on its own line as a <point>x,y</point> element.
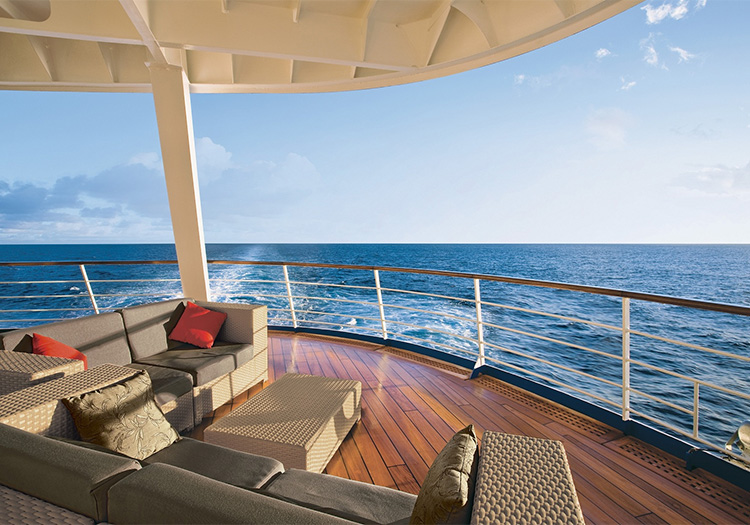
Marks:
<point>639,296</point>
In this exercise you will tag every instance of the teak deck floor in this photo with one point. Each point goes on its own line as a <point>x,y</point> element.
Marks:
<point>410,409</point>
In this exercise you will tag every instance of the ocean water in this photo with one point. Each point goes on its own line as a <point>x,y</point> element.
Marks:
<point>718,273</point>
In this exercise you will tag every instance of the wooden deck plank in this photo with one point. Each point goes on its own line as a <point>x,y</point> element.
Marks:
<point>413,458</point>
<point>597,507</point>
<point>410,410</point>
<point>388,452</point>
<point>404,479</point>
<point>355,464</point>
<point>373,460</point>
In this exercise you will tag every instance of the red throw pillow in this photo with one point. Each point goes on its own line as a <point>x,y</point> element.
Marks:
<point>198,326</point>
<point>43,345</point>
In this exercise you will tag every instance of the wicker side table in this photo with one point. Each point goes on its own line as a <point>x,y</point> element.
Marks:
<point>38,408</point>
<point>20,369</point>
<point>523,479</point>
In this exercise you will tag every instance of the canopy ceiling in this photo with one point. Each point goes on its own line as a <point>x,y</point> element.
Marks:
<point>255,46</point>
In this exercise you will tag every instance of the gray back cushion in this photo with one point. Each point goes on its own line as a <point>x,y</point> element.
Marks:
<point>101,337</point>
<point>148,326</point>
<point>160,493</point>
<point>72,477</point>
<point>354,500</point>
<point>240,469</point>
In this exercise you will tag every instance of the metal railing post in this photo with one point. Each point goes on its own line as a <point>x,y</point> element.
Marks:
<point>480,326</point>
<point>625,358</point>
<point>380,304</point>
<point>289,296</point>
<point>88,288</point>
<point>696,407</point>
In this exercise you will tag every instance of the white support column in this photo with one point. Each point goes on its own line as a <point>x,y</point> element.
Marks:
<point>174,116</point>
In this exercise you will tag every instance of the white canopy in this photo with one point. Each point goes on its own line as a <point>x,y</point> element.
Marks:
<point>251,46</point>
<point>172,48</point>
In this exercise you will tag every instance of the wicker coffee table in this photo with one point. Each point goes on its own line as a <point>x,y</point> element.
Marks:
<point>38,408</point>
<point>299,420</point>
<point>20,369</point>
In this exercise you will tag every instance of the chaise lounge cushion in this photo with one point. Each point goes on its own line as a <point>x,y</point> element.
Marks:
<point>240,469</point>
<point>60,473</point>
<point>353,500</point>
<point>165,494</point>
<point>100,337</point>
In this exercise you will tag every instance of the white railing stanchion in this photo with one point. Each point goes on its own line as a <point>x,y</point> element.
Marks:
<point>88,288</point>
<point>289,296</point>
<point>480,326</point>
<point>380,304</point>
<point>625,358</point>
<point>696,406</point>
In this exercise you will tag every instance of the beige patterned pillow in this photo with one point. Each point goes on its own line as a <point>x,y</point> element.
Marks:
<point>123,417</point>
<point>448,489</point>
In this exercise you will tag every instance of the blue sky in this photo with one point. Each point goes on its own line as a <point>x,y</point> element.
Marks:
<point>636,130</point>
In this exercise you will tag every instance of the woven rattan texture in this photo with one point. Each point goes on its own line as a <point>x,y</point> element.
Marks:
<point>524,480</point>
<point>179,412</point>
<point>20,370</point>
<point>246,323</point>
<point>37,409</point>
<point>290,410</point>
<point>22,509</point>
<point>299,420</point>
<point>213,394</point>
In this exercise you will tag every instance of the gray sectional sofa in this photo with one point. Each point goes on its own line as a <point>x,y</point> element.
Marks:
<point>188,382</point>
<point>47,480</point>
<point>47,477</point>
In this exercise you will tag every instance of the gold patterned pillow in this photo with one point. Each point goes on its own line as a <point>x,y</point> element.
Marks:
<point>123,417</point>
<point>447,493</point>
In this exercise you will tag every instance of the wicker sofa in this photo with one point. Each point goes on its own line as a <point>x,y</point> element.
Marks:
<point>188,382</point>
<point>46,480</point>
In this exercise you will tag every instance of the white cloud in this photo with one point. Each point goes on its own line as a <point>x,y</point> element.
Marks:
<point>150,160</point>
<point>700,4</point>
<point>607,128</point>
<point>602,53</point>
<point>651,56</point>
<point>213,159</point>
<point>519,79</point>
<point>129,202</point>
<point>718,180</point>
<point>627,85</point>
<point>655,15</point>
<point>685,56</point>
<point>126,202</point>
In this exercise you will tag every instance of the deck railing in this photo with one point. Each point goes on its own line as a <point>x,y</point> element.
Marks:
<point>622,353</point>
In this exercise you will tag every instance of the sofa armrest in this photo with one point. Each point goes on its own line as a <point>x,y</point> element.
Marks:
<point>522,478</point>
<point>246,323</point>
